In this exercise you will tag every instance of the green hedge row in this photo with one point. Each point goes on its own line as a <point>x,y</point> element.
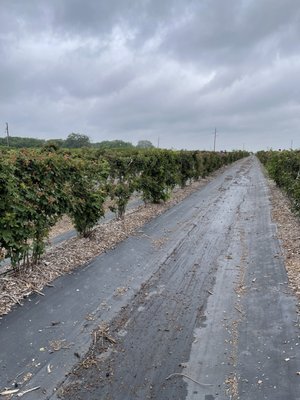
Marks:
<point>37,187</point>
<point>284,168</point>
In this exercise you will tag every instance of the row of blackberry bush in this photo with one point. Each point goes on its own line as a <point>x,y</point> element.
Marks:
<point>284,168</point>
<point>37,187</point>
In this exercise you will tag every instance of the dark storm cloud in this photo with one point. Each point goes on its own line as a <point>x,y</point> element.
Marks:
<point>143,69</point>
<point>235,31</point>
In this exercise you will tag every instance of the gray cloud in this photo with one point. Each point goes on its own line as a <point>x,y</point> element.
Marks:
<point>143,69</point>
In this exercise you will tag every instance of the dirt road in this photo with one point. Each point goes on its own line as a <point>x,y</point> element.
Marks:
<point>200,291</point>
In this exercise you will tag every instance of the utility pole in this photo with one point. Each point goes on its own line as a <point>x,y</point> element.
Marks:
<point>292,144</point>
<point>158,142</point>
<point>7,134</point>
<point>215,139</point>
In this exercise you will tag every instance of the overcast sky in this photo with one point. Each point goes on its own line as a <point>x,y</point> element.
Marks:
<point>149,69</point>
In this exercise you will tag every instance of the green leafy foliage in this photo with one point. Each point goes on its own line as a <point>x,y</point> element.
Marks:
<point>77,140</point>
<point>32,200</point>
<point>122,180</point>
<point>159,174</point>
<point>22,142</point>
<point>86,194</point>
<point>144,144</point>
<point>38,186</point>
<point>113,144</point>
<point>284,168</point>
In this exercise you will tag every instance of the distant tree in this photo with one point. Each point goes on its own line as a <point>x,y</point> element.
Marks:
<point>76,140</point>
<point>144,144</point>
<point>51,145</point>
<point>113,144</point>
<point>22,142</point>
<point>56,142</point>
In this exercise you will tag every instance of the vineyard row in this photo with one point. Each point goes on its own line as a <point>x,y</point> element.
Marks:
<point>37,187</point>
<point>284,168</point>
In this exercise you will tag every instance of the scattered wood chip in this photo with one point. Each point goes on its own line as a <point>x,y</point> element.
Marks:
<point>288,230</point>
<point>27,377</point>
<point>188,377</point>
<point>88,363</point>
<point>120,291</point>
<point>38,292</point>
<point>240,311</point>
<point>90,317</point>
<point>57,345</point>
<point>103,332</point>
<point>28,391</point>
<point>9,392</point>
<point>19,374</point>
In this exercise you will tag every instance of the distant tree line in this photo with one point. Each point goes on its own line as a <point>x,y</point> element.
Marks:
<point>73,141</point>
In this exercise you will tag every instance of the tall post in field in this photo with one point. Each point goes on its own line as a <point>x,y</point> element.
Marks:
<point>215,139</point>
<point>7,134</point>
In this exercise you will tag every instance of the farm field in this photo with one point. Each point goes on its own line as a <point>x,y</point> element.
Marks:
<point>150,200</point>
<point>38,187</point>
<point>46,190</point>
<point>194,305</point>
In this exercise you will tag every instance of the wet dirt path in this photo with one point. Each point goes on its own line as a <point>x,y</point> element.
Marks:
<point>200,291</point>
